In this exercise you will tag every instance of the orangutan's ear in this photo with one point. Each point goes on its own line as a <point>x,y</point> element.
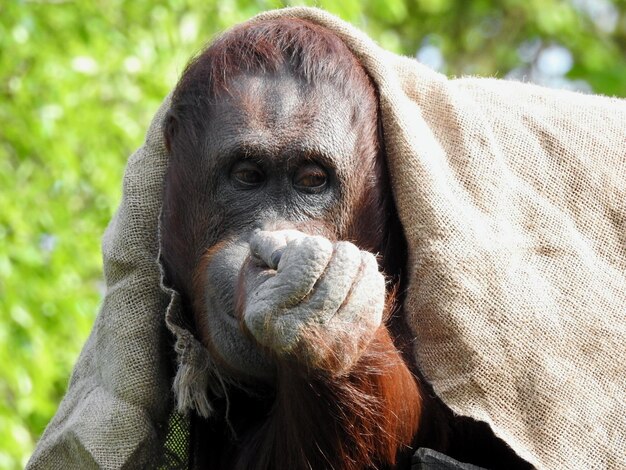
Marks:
<point>170,128</point>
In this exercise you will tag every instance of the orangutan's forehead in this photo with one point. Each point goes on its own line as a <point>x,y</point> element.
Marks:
<point>279,110</point>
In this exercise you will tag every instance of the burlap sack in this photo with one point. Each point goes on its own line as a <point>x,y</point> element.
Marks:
<point>513,202</point>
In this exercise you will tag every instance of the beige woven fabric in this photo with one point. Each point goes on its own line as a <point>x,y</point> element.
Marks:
<point>513,202</point>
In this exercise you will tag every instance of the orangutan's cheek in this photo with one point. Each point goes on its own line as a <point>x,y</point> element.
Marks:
<point>220,330</point>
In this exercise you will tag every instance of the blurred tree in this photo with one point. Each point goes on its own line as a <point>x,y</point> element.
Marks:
<point>79,82</point>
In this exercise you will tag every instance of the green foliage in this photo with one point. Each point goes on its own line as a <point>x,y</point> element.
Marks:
<point>79,82</point>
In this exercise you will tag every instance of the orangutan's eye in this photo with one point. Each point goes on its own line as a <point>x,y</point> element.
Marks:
<point>310,178</point>
<point>247,175</point>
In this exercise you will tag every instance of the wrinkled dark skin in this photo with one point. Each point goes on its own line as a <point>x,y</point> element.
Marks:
<point>281,154</point>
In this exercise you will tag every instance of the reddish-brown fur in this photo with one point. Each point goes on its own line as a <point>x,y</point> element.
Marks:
<point>366,418</point>
<point>374,415</point>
